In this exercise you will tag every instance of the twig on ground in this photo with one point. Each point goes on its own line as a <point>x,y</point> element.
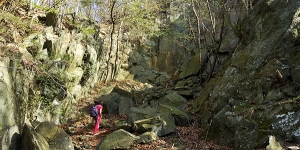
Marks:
<point>208,130</point>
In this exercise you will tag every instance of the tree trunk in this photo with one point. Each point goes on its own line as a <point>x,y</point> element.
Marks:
<point>111,41</point>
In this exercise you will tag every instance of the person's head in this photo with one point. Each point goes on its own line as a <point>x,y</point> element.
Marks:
<point>99,103</point>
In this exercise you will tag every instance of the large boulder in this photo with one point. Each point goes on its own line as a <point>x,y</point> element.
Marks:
<point>30,139</point>
<point>123,91</point>
<point>149,75</point>
<point>166,126</point>
<point>161,125</point>
<point>146,125</point>
<point>119,139</point>
<point>142,113</point>
<point>173,99</point>
<point>55,136</point>
<point>10,138</point>
<point>147,138</point>
<point>110,102</point>
<point>192,66</point>
<point>181,118</point>
<point>123,124</point>
<point>125,105</point>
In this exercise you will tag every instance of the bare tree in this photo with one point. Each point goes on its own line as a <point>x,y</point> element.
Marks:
<point>216,37</point>
<point>138,18</point>
<point>207,28</point>
<point>111,64</point>
<point>196,10</point>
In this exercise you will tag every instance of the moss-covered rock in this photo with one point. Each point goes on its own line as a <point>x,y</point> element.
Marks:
<point>119,139</point>
<point>181,117</point>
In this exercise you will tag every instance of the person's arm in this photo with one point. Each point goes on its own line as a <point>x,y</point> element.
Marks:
<point>100,112</point>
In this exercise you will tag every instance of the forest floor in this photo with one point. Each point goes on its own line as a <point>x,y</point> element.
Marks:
<point>182,138</point>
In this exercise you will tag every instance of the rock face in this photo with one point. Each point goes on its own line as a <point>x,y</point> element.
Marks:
<point>32,140</point>
<point>46,136</point>
<point>43,75</point>
<point>55,136</point>
<point>11,138</point>
<point>248,100</point>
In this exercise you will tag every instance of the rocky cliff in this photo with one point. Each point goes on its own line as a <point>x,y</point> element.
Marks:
<point>256,94</point>
<point>43,71</point>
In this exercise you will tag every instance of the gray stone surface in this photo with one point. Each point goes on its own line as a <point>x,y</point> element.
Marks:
<point>125,139</point>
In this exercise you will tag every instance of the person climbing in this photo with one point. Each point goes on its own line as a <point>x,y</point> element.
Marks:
<point>96,113</point>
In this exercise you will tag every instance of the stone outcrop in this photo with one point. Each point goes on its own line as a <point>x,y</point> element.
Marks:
<point>10,138</point>
<point>12,86</point>
<point>46,136</point>
<point>55,136</point>
<point>32,140</point>
<point>42,75</point>
<point>258,87</point>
